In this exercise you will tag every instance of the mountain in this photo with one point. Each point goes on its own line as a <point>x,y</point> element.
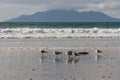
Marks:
<point>65,16</point>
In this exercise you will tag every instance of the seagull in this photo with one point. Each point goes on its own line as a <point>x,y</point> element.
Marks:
<point>69,54</point>
<point>43,52</point>
<point>98,51</point>
<point>75,54</point>
<point>83,53</point>
<point>98,54</point>
<point>57,53</point>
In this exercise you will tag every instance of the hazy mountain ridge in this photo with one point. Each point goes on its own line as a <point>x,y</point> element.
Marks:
<point>65,16</point>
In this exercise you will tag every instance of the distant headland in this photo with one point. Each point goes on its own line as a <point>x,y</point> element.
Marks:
<point>65,16</point>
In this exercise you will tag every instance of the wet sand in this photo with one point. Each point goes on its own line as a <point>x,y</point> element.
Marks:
<point>21,60</point>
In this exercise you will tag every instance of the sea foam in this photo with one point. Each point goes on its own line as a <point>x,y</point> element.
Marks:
<point>59,33</point>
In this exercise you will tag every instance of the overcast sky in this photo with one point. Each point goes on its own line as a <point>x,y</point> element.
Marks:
<point>14,8</point>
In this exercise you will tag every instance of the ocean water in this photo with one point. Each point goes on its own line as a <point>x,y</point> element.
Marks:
<point>60,30</point>
<point>20,58</point>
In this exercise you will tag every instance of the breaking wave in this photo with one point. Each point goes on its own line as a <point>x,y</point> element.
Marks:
<point>59,32</point>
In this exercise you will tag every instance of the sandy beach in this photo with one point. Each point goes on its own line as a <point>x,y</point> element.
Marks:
<point>20,59</point>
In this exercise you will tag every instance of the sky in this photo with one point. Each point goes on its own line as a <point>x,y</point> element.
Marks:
<point>14,8</point>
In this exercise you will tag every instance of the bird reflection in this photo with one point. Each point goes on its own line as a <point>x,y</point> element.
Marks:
<point>56,60</point>
<point>75,61</point>
<point>42,59</point>
<point>71,60</point>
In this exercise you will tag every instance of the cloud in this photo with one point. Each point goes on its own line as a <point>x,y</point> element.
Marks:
<point>111,8</point>
<point>104,5</point>
<point>14,10</point>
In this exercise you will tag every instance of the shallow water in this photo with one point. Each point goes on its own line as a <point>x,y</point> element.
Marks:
<point>20,59</point>
<point>61,42</point>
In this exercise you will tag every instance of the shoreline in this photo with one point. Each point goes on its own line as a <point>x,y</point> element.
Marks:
<point>63,43</point>
<point>63,48</point>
